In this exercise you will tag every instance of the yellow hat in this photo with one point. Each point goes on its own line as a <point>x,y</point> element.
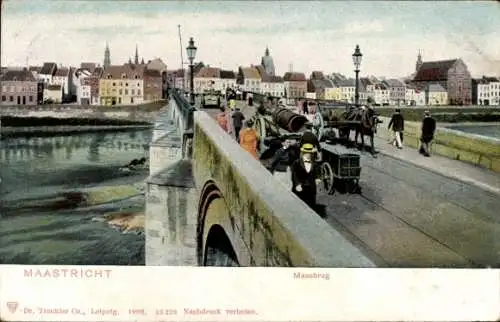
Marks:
<point>309,148</point>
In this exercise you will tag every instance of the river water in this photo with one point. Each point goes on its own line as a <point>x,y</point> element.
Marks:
<point>37,228</point>
<point>491,130</point>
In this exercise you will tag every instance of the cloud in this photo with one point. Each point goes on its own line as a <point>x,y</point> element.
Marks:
<point>365,27</point>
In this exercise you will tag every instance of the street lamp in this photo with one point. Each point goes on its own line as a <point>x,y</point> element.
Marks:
<point>356,59</point>
<point>191,53</point>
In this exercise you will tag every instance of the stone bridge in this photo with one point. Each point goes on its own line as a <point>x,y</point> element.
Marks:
<point>210,204</point>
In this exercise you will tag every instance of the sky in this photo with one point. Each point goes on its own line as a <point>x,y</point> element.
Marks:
<point>304,36</point>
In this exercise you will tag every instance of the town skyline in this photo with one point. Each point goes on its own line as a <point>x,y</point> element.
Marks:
<point>310,36</point>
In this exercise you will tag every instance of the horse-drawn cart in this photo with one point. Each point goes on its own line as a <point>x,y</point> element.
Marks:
<point>333,116</point>
<point>340,167</point>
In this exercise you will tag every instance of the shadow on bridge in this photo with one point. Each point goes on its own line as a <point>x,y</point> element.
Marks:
<point>210,204</point>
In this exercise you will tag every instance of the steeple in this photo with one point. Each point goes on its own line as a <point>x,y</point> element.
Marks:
<point>107,56</point>
<point>130,61</point>
<point>267,51</point>
<point>136,55</point>
<point>142,61</point>
<point>419,61</point>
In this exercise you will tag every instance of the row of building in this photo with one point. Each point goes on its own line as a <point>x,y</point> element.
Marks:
<point>433,83</point>
<point>89,84</point>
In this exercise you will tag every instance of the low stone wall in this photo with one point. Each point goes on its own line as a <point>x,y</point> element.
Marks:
<point>266,224</point>
<point>171,217</point>
<point>125,113</point>
<point>453,144</point>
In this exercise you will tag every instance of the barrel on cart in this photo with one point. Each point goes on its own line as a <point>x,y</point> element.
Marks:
<point>345,167</point>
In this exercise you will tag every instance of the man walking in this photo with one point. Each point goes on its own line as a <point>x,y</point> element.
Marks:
<point>428,129</point>
<point>238,119</point>
<point>397,124</point>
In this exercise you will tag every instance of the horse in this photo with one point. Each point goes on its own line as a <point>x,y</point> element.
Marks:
<point>366,125</point>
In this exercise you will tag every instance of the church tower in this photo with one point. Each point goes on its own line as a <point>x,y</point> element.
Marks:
<point>268,63</point>
<point>136,61</point>
<point>107,56</point>
<point>419,61</point>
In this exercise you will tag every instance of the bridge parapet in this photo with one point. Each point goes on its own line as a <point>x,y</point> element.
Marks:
<point>242,204</point>
<point>475,149</point>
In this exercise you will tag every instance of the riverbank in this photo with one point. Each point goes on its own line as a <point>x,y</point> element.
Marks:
<point>12,132</point>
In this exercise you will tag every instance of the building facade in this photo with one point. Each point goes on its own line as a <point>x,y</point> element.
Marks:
<point>453,75</point>
<point>249,79</point>
<point>47,72</point>
<point>62,77</point>
<point>333,93</point>
<point>295,85</point>
<point>121,85</point>
<point>488,91</point>
<point>53,94</point>
<point>208,78</point>
<point>227,79</point>
<point>437,95</point>
<point>397,92</point>
<point>153,85</point>
<point>19,87</point>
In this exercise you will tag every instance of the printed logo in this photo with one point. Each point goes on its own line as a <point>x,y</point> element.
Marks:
<point>12,306</point>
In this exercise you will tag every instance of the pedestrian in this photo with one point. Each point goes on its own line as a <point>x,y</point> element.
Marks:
<point>222,119</point>
<point>248,139</point>
<point>305,108</point>
<point>308,137</point>
<point>428,129</point>
<point>397,124</point>
<point>306,175</point>
<point>238,119</point>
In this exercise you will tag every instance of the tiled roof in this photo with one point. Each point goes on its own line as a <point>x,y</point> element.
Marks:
<point>262,72</point>
<point>54,87</point>
<point>250,73</point>
<point>35,69</point>
<point>208,72</point>
<point>227,74</point>
<point>48,68</point>
<point>152,72</point>
<point>317,75</point>
<point>88,66</point>
<point>436,88</point>
<point>490,79</point>
<point>63,71</point>
<point>98,71</point>
<point>351,82</point>
<point>130,71</point>
<point>434,70</point>
<point>365,81</point>
<point>275,79</point>
<point>294,77</point>
<point>394,83</point>
<point>23,75</point>
<point>316,84</point>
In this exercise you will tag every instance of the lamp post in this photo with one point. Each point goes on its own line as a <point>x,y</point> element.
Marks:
<point>356,59</point>
<point>191,53</point>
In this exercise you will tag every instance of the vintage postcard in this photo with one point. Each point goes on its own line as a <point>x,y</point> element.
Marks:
<point>333,160</point>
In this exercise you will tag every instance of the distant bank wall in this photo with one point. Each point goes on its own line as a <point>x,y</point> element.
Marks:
<point>130,113</point>
<point>475,149</point>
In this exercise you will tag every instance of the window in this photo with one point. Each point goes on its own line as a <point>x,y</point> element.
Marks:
<point>11,98</point>
<point>4,98</point>
<point>119,100</point>
<point>136,77</point>
<point>114,84</point>
<point>132,100</point>
<point>126,92</point>
<point>109,76</point>
<point>126,84</point>
<point>138,84</point>
<point>31,98</point>
<point>120,91</point>
<point>138,92</point>
<point>123,75</point>
<point>132,92</point>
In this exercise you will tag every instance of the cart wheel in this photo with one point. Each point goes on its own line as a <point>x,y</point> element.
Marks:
<point>327,177</point>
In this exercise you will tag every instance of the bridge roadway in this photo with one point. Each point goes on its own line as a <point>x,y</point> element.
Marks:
<point>410,216</point>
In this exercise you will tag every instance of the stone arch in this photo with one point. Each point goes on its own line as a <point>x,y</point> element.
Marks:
<point>211,201</point>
